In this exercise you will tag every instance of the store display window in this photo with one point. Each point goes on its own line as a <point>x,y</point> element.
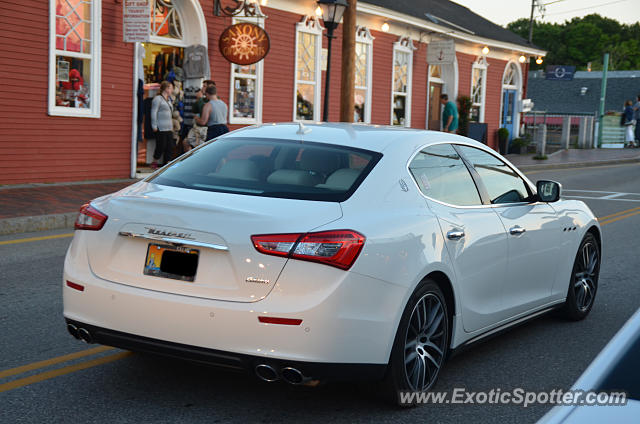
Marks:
<point>307,72</point>
<point>74,80</point>
<point>402,78</point>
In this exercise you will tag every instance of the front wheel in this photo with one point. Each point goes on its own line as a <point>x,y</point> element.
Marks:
<point>584,280</point>
<point>421,342</point>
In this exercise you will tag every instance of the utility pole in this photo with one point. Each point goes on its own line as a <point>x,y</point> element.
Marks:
<point>603,96</point>
<point>348,73</point>
<point>533,6</point>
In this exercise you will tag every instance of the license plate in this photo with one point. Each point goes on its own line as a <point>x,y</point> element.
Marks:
<point>179,263</point>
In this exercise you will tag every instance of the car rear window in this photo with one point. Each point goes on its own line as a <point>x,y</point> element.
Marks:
<point>272,168</point>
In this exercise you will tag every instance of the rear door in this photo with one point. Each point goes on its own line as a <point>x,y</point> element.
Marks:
<point>474,235</point>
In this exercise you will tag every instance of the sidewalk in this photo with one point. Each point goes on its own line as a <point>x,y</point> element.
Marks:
<point>574,158</point>
<point>37,207</point>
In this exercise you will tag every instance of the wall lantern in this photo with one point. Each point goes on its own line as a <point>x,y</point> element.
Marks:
<point>385,27</point>
<point>522,59</point>
<point>485,50</point>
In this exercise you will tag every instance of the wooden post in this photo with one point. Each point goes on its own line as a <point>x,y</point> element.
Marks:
<point>348,71</point>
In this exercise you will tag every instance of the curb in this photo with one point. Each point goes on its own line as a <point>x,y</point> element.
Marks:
<point>26,224</point>
<point>577,164</point>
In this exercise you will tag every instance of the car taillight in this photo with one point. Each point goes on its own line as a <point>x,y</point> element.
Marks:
<point>90,218</point>
<point>338,248</point>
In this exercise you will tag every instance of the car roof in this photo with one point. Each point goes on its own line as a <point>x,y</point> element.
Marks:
<point>371,137</point>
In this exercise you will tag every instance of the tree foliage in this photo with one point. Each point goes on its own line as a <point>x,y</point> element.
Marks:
<point>582,40</point>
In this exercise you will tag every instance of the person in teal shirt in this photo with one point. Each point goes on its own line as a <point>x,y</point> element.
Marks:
<point>449,115</point>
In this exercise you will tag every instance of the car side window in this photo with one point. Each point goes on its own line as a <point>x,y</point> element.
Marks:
<point>442,175</point>
<point>503,184</point>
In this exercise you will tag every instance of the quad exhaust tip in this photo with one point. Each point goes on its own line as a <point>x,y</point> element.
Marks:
<point>266,373</point>
<point>85,336</point>
<point>73,330</point>
<point>293,376</point>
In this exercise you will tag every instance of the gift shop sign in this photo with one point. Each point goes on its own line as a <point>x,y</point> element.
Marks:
<point>244,43</point>
<point>136,18</point>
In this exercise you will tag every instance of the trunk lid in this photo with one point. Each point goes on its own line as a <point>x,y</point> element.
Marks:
<point>218,225</point>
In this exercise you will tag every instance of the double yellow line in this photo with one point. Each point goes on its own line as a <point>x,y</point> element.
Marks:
<point>618,216</point>
<point>46,375</point>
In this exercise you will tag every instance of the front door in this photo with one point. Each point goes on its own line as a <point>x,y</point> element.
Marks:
<point>508,110</point>
<point>531,228</point>
<point>435,107</point>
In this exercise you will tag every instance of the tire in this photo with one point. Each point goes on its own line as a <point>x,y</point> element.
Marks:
<point>421,343</point>
<point>583,285</point>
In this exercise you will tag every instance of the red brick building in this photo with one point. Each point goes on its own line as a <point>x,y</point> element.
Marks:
<point>71,110</point>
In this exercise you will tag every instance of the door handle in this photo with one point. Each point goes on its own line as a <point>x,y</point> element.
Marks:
<point>455,234</point>
<point>517,230</point>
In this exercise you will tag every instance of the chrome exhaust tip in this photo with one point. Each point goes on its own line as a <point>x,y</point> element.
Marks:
<point>293,376</point>
<point>266,373</point>
<point>85,335</point>
<point>73,330</point>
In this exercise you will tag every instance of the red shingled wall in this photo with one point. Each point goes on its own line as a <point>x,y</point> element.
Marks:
<point>40,148</point>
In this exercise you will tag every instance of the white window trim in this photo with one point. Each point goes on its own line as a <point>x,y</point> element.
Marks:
<point>363,35</point>
<point>311,25</point>
<point>95,57</point>
<point>259,78</point>
<point>518,88</point>
<point>403,45</point>
<point>480,63</point>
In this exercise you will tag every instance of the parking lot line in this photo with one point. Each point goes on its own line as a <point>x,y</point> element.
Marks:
<point>53,361</point>
<point>62,371</point>
<point>26,240</point>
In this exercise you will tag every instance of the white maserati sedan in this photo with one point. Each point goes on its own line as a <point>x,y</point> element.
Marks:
<point>328,251</point>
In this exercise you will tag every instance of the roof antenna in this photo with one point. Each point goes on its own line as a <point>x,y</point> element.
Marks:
<point>302,130</point>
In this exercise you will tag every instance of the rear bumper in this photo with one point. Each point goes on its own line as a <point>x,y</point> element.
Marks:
<point>347,318</point>
<point>240,362</point>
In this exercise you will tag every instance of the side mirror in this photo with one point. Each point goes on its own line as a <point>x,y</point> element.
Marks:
<point>548,191</point>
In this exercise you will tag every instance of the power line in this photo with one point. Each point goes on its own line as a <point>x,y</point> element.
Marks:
<point>553,2</point>
<point>585,8</point>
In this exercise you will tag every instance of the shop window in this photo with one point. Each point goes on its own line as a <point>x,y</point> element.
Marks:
<point>165,20</point>
<point>308,71</point>
<point>74,58</point>
<point>402,75</point>
<point>478,89</point>
<point>246,89</point>
<point>362,92</point>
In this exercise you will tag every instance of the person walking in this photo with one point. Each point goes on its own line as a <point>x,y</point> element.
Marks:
<point>214,114</point>
<point>628,123</point>
<point>449,115</point>
<point>162,124</point>
<point>636,116</point>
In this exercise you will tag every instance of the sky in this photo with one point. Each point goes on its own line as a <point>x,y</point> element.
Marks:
<point>557,11</point>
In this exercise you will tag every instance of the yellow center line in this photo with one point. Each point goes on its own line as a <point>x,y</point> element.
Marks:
<point>605,218</point>
<point>618,218</point>
<point>53,361</point>
<point>61,371</point>
<point>27,240</point>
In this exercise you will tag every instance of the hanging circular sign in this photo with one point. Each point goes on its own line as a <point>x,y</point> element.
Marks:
<point>244,43</point>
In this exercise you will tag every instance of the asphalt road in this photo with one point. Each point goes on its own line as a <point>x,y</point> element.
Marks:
<point>112,386</point>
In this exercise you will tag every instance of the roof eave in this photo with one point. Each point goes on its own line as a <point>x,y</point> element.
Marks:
<point>444,30</point>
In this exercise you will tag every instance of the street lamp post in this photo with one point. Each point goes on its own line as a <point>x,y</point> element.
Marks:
<point>332,11</point>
